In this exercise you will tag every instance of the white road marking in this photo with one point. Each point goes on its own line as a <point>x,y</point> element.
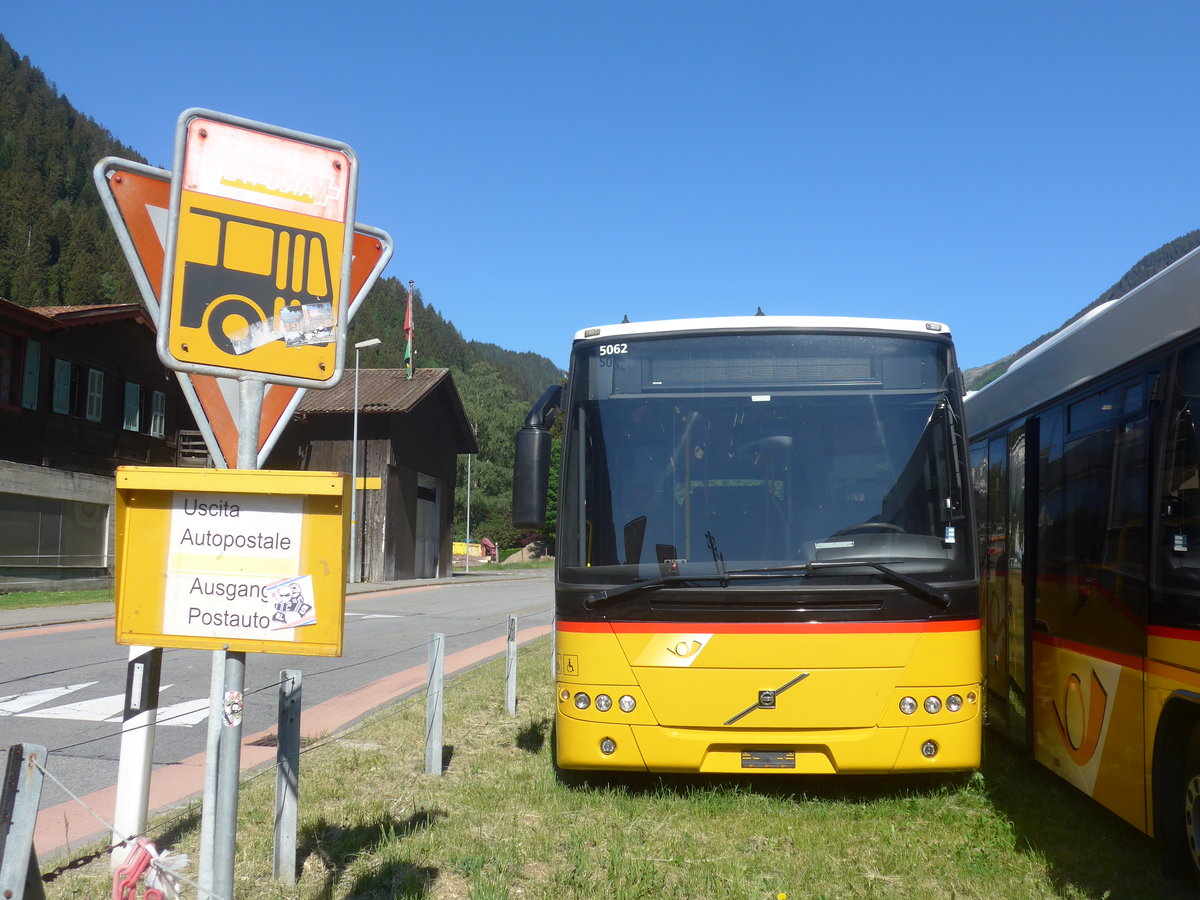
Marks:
<point>101,709</point>
<point>18,703</point>
<point>190,712</point>
<point>98,710</point>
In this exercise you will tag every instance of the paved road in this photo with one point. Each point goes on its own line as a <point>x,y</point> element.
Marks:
<point>62,684</point>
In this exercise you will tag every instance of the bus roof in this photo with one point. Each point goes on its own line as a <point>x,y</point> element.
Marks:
<point>761,323</point>
<point>1161,309</point>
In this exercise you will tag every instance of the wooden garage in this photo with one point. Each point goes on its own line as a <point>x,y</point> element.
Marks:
<point>410,434</point>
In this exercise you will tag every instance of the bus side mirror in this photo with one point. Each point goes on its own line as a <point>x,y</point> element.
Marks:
<point>531,468</point>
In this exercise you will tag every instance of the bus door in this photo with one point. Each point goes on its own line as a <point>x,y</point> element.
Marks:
<point>994,584</point>
<point>1006,586</point>
<point>1022,575</point>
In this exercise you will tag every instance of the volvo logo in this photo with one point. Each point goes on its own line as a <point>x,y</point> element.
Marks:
<point>766,699</point>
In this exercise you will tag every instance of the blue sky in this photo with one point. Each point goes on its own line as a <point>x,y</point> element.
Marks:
<point>543,167</point>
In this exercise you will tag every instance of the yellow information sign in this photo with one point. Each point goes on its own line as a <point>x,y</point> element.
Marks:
<point>239,559</point>
<point>258,252</point>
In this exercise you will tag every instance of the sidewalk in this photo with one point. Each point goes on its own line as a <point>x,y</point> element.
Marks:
<point>35,617</point>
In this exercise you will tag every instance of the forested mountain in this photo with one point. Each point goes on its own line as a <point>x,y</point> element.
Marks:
<point>497,387</point>
<point>58,248</point>
<point>1148,266</point>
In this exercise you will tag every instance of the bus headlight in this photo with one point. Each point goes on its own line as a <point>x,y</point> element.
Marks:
<point>582,700</point>
<point>929,749</point>
<point>608,746</point>
<point>908,706</point>
<point>933,705</point>
<point>627,704</point>
<point>603,702</point>
<point>954,703</point>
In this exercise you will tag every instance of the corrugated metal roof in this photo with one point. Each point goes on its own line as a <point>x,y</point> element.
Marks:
<point>379,391</point>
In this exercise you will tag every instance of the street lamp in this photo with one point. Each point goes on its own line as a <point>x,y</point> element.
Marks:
<point>354,568</point>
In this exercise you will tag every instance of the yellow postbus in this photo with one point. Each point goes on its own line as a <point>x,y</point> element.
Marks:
<point>1085,462</point>
<point>765,558</point>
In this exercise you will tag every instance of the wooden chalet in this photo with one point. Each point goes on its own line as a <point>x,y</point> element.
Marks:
<point>82,391</point>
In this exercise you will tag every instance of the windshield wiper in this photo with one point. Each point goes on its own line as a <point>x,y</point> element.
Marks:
<point>597,598</point>
<point>914,586</point>
<point>600,598</point>
<point>917,588</point>
<point>718,557</point>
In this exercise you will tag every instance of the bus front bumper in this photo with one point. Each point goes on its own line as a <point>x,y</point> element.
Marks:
<point>949,747</point>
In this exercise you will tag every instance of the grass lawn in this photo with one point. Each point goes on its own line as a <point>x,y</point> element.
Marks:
<point>30,599</point>
<point>503,823</point>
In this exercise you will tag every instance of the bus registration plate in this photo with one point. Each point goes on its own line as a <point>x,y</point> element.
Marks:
<point>768,759</point>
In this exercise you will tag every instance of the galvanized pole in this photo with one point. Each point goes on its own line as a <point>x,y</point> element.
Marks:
<point>355,549</point>
<point>510,669</point>
<point>468,513</point>
<point>434,705</point>
<point>250,391</point>
<point>212,753</point>
<point>287,776</point>
<point>354,481</point>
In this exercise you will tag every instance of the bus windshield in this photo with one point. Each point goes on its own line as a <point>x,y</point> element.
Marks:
<point>686,454</point>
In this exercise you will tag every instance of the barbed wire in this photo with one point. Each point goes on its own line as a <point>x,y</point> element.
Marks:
<point>75,668</point>
<point>164,825</point>
<point>275,684</point>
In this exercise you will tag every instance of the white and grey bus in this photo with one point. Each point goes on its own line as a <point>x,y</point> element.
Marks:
<point>1085,462</point>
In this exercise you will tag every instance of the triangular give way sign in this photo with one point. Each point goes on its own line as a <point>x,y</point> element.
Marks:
<point>137,200</point>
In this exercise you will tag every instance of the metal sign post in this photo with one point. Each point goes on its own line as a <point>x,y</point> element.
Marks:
<point>248,264</point>
<point>229,755</point>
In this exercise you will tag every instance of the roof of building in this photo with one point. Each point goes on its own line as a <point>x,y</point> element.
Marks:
<point>379,391</point>
<point>87,315</point>
<point>389,391</point>
<point>70,316</point>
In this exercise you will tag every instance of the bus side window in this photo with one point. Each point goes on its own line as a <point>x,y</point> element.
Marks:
<point>1180,525</point>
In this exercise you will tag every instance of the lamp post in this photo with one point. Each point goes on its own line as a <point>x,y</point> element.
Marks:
<point>354,567</point>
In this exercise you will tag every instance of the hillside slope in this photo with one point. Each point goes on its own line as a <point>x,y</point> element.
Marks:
<point>1149,265</point>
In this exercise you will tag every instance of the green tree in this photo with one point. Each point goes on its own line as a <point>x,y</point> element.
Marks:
<point>495,410</point>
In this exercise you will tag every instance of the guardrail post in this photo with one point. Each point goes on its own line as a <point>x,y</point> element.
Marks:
<point>19,798</point>
<point>510,669</point>
<point>287,776</point>
<point>137,748</point>
<point>434,705</point>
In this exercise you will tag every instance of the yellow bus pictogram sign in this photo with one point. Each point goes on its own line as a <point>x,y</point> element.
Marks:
<point>256,277</point>
<point>244,559</point>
